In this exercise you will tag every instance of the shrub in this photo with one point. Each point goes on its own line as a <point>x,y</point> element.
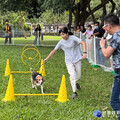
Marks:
<point>27,27</point>
<point>1,27</point>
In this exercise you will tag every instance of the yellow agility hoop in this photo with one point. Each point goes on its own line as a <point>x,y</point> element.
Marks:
<point>29,45</point>
<point>30,58</point>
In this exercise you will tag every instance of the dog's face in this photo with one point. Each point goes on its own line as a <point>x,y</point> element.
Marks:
<point>39,80</point>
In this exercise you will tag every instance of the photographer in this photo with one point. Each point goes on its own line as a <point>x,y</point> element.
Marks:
<point>111,25</point>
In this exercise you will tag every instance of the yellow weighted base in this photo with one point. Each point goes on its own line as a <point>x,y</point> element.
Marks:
<point>35,94</point>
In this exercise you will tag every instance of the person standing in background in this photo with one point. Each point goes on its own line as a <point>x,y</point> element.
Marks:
<point>98,32</point>
<point>78,28</point>
<point>37,34</point>
<point>88,33</point>
<point>82,28</point>
<point>8,33</point>
<point>118,14</point>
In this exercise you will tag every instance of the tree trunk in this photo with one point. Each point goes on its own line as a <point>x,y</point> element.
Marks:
<point>83,19</point>
<point>104,13</point>
<point>70,19</point>
<point>81,13</point>
<point>113,6</point>
<point>22,25</point>
<point>76,22</point>
<point>93,17</point>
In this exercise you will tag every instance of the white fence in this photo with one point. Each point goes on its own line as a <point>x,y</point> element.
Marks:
<point>94,53</point>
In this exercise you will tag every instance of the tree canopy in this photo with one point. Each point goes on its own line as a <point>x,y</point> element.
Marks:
<point>32,7</point>
<point>80,9</point>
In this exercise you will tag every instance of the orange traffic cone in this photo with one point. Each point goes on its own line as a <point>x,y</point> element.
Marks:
<point>9,96</point>
<point>7,69</point>
<point>62,96</point>
<point>42,68</point>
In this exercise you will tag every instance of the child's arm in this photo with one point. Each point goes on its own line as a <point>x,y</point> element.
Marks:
<point>84,49</point>
<point>51,53</point>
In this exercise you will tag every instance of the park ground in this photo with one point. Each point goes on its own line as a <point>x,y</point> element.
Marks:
<point>95,92</point>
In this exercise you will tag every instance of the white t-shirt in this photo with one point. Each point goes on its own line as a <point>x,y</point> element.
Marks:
<point>71,48</point>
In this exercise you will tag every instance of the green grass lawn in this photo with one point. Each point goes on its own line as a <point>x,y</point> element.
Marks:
<point>47,40</point>
<point>95,90</point>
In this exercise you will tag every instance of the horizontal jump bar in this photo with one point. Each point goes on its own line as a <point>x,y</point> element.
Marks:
<point>35,94</point>
<point>21,71</point>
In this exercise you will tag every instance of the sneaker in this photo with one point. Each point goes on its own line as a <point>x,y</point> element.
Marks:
<point>74,96</point>
<point>78,86</point>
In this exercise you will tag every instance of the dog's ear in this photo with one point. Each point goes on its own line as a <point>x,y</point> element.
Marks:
<point>43,79</point>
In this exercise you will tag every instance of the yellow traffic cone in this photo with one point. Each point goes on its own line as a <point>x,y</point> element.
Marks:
<point>62,96</point>
<point>9,96</point>
<point>42,68</point>
<point>7,69</point>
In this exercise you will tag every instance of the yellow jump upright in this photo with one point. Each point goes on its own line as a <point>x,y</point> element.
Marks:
<point>7,69</point>
<point>9,96</point>
<point>42,68</point>
<point>62,96</point>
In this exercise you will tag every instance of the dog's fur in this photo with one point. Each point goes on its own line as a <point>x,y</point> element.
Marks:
<point>37,80</point>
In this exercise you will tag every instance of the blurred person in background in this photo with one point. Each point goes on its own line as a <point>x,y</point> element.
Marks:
<point>78,28</point>
<point>82,28</point>
<point>118,14</point>
<point>37,34</point>
<point>88,33</point>
<point>98,32</point>
<point>8,32</point>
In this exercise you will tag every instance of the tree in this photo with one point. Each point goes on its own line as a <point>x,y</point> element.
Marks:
<point>81,9</point>
<point>21,6</point>
<point>59,7</point>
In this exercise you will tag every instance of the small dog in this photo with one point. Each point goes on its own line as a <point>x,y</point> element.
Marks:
<point>37,80</point>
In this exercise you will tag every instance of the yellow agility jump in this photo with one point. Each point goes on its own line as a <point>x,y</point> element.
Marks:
<point>30,47</point>
<point>36,94</point>
<point>8,71</point>
<point>62,95</point>
<point>26,48</point>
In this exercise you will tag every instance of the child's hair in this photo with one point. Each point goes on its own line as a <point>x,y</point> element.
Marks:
<point>65,30</point>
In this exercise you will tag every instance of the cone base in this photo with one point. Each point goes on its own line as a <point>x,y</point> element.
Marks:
<point>58,100</point>
<point>5,100</point>
<point>6,75</point>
